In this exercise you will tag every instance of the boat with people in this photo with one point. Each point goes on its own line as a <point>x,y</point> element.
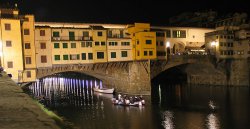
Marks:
<point>104,90</point>
<point>128,101</point>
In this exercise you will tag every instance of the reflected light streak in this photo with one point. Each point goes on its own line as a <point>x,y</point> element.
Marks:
<point>57,89</point>
<point>212,121</point>
<point>168,120</point>
<point>211,105</point>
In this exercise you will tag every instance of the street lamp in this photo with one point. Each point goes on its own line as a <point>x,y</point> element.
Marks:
<point>167,49</point>
<point>213,45</point>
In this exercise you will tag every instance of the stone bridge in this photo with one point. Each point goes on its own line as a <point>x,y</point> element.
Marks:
<point>133,77</point>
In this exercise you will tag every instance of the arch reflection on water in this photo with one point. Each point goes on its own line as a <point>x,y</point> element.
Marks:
<point>72,98</point>
<point>58,91</point>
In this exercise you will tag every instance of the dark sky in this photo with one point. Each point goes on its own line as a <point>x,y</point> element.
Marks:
<point>122,11</point>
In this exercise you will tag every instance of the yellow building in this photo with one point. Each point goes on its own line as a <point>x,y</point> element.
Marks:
<point>230,39</point>
<point>11,54</point>
<point>71,46</point>
<point>119,46</point>
<point>43,46</point>
<point>28,34</point>
<point>143,41</point>
<point>99,44</point>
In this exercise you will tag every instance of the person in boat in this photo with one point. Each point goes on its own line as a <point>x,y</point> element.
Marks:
<point>131,99</point>
<point>136,99</point>
<point>119,96</point>
<point>127,101</point>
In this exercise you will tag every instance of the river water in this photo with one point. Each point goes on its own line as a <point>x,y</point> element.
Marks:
<point>171,106</point>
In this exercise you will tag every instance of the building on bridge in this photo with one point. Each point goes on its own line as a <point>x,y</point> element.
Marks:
<point>231,37</point>
<point>17,51</point>
<point>27,46</point>
<point>176,40</point>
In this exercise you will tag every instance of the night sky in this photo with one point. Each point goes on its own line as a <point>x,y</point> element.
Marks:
<point>156,12</point>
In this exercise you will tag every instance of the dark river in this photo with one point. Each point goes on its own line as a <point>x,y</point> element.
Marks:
<point>171,106</point>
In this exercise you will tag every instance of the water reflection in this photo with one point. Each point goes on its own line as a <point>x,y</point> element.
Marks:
<point>72,97</point>
<point>168,120</point>
<point>178,106</point>
<point>212,121</point>
<point>58,91</point>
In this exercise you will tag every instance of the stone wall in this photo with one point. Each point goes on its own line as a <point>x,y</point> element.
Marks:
<point>234,72</point>
<point>132,79</point>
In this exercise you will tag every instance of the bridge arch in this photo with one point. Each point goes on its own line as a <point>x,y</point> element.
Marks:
<point>65,71</point>
<point>160,66</point>
<point>169,67</point>
<point>178,47</point>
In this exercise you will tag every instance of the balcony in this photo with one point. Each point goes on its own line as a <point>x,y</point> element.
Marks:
<point>75,38</point>
<point>118,36</point>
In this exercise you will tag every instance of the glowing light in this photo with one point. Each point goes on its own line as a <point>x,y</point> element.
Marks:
<point>211,105</point>
<point>168,120</point>
<point>212,121</point>
<point>167,44</point>
<point>214,43</point>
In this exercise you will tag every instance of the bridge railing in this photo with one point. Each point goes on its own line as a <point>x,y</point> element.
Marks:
<point>184,58</point>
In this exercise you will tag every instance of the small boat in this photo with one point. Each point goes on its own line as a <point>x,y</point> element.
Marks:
<point>136,104</point>
<point>104,90</point>
<point>127,103</point>
<point>108,96</point>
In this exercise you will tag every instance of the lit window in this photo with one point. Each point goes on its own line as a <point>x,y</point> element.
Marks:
<point>179,34</point>
<point>74,57</point>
